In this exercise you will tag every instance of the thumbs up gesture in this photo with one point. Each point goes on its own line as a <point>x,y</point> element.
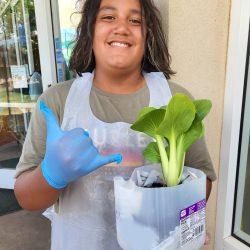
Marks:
<point>69,154</point>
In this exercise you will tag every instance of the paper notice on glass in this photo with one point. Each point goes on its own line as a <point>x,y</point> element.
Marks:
<point>19,76</point>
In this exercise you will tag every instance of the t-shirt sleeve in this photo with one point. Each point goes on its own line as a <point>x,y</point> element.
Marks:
<point>197,156</point>
<point>34,145</point>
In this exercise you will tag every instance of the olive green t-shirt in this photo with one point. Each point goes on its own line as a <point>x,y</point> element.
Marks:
<point>108,108</point>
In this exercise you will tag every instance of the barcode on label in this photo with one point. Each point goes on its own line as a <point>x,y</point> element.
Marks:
<point>192,222</point>
<point>199,230</point>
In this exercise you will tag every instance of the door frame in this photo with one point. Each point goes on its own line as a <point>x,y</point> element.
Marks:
<point>47,62</point>
<point>236,64</point>
<point>46,42</point>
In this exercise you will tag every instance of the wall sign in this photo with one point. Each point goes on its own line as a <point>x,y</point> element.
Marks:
<point>19,76</point>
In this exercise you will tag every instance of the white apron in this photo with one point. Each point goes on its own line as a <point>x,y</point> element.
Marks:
<point>84,217</point>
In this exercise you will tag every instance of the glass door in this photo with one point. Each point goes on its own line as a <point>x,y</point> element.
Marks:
<point>20,81</point>
<point>65,16</point>
<point>232,218</point>
<point>241,228</point>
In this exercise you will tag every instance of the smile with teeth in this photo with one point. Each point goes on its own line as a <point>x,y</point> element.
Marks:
<point>119,44</point>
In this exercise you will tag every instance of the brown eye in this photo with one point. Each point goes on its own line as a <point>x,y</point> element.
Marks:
<point>135,21</point>
<point>108,18</point>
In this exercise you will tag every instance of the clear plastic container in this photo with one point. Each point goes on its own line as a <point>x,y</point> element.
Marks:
<point>160,218</point>
<point>35,86</point>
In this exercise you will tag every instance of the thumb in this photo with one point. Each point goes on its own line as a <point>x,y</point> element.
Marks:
<point>105,159</point>
<point>52,123</point>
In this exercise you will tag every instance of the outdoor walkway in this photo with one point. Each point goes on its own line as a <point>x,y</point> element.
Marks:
<point>20,230</point>
<point>24,230</point>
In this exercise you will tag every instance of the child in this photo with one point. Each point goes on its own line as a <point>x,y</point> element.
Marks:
<point>123,64</point>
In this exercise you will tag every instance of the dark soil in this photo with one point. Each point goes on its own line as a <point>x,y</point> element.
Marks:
<point>156,185</point>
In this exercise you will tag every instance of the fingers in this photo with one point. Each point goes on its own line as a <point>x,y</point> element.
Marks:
<point>90,160</point>
<point>103,160</point>
<point>52,123</point>
<point>78,132</point>
<point>99,160</point>
<point>207,239</point>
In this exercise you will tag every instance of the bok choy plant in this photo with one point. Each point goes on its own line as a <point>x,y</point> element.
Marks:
<point>175,128</point>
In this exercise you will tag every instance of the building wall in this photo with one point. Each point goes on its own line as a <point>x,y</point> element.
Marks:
<point>198,35</point>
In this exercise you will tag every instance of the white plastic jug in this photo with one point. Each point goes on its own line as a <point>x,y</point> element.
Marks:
<point>160,218</point>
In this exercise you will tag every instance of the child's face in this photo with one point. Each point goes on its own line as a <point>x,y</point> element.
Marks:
<point>118,39</point>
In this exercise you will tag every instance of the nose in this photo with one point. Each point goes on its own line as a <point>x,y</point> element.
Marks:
<point>122,27</point>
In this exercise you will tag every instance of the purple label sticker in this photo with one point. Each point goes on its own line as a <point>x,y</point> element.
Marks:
<point>192,222</point>
<point>192,209</point>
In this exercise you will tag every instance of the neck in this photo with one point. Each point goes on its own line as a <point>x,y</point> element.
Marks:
<point>118,82</point>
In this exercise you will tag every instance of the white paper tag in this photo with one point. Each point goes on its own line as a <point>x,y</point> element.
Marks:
<point>192,222</point>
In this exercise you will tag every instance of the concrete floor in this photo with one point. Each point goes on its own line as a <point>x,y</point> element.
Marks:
<point>23,230</point>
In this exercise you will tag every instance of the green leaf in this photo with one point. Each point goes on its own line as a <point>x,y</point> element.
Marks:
<point>149,122</point>
<point>151,153</point>
<point>180,123</point>
<point>144,111</point>
<point>202,107</point>
<point>164,107</point>
<point>195,132</point>
<point>179,116</point>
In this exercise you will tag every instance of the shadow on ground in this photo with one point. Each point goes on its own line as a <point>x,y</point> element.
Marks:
<point>23,230</point>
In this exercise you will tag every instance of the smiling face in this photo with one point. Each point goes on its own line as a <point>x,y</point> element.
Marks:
<point>118,42</point>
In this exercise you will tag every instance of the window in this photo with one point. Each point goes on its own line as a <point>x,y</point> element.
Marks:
<point>20,81</point>
<point>241,227</point>
<point>231,218</point>
<point>66,16</point>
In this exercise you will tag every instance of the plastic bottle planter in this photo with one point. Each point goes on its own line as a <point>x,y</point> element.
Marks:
<point>35,86</point>
<point>160,218</point>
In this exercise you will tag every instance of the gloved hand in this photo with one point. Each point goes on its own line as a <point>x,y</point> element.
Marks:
<point>69,154</point>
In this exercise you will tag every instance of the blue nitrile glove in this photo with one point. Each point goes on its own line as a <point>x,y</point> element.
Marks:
<point>69,154</point>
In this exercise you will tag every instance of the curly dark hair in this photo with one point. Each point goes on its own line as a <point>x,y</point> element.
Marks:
<point>156,56</point>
